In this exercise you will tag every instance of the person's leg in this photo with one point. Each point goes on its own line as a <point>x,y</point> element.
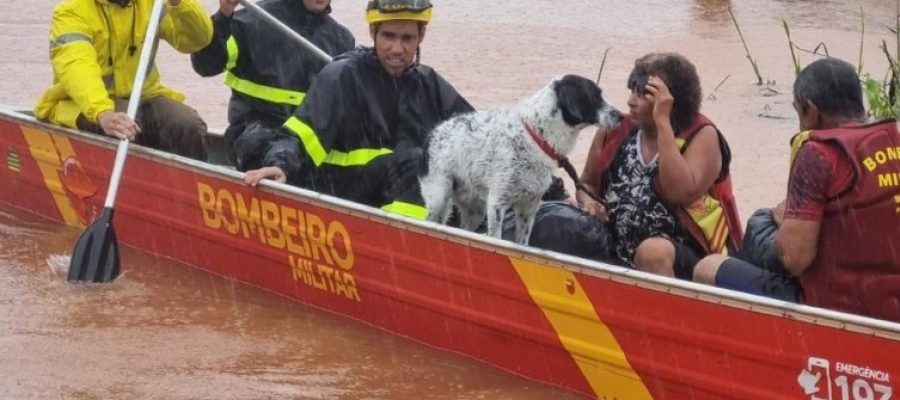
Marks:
<point>664,257</point>
<point>736,274</point>
<point>708,267</point>
<point>171,126</point>
<point>686,259</point>
<point>656,255</point>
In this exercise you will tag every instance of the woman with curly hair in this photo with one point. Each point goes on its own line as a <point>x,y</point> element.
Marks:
<point>660,180</point>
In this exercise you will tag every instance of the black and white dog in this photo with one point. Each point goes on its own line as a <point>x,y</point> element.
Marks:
<point>488,162</point>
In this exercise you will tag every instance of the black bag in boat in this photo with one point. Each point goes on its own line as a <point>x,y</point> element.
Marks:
<point>564,228</point>
<point>556,192</point>
<point>759,242</point>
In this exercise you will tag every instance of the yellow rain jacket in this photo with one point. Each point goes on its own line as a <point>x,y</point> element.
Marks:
<point>95,47</point>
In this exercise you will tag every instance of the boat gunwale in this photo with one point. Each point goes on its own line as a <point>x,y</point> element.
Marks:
<point>623,275</point>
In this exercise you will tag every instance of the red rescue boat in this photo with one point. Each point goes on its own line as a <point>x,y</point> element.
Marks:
<point>606,332</point>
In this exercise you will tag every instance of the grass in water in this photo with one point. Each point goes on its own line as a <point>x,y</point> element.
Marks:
<point>881,95</point>
<point>759,79</point>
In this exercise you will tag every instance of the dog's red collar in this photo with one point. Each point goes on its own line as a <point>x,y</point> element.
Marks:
<point>541,142</point>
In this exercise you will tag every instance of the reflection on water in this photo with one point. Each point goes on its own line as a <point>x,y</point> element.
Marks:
<point>168,331</point>
<point>172,332</point>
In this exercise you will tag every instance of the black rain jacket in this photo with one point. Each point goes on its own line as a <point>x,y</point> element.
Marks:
<point>248,49</point>
<point>355,111</point>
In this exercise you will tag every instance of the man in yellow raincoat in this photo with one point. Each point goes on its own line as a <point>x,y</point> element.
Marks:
<point>95,47</point>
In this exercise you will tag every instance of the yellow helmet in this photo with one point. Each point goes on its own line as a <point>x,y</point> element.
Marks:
<point>398,10</point>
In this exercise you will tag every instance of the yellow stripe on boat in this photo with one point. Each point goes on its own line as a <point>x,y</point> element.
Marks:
<point>46,151</point>
<point>580,330</point>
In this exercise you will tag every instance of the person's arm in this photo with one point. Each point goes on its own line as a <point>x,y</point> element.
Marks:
<point>683,177</point>
<point>186,26</point>
<point>797,243</point>
<point>327,110</point>
<point>797,238</point>
<point>253,177</point>
<point>213,58</point>
<point>74,61</point>
<point>590,178</point>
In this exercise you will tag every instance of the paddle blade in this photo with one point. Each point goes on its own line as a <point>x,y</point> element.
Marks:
<point>95,257</point>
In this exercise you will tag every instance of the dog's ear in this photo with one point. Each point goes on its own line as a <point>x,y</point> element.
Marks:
<point>579,99</point>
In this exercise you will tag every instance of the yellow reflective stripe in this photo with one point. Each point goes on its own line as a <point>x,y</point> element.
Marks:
<point>410,210</point>
<point>717,243</point>
<point>796,143</point>
<point>581,332</point>
<point>356,157</point>
<point>309,139</point>
<point>319,155</point>
<point>50,152</point>
<point>709,215</point>
<point>267,93</point>
<point>232,48</point>
<point>250,88</point>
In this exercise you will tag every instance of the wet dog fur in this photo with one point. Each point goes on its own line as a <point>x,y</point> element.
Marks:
<point>486,163</point>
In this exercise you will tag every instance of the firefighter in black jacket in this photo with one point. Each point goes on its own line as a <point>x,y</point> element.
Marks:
<point>361,131</point>
<point>267,72</point>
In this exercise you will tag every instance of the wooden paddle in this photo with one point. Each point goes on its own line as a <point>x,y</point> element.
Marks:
<point>95,257</point>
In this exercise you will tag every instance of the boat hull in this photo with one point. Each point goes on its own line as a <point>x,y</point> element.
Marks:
<point>601,331</point>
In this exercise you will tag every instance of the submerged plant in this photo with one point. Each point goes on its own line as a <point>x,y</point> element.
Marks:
<point>759,78</point>
<point>881,95</point>
<point>602,64</point>
<point>787,31</point>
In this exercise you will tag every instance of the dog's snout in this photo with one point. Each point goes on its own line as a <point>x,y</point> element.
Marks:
<point>609,117</point>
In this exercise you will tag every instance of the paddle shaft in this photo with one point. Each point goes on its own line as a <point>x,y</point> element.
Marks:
<point>134,100</point>
<point>255,9</point>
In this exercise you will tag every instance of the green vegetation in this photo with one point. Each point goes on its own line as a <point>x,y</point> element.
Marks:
<point>759,79</point>
<point>880,94</point>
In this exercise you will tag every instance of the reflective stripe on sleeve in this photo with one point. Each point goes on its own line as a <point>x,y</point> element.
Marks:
<point>267,93</point>
<point>231,48</point>
<point>319,155</point>
<point>67,38</point>
<point>308,138</point>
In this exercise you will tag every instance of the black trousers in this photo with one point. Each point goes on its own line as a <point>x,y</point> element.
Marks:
<point>166,125</point>
<point>757,269</point>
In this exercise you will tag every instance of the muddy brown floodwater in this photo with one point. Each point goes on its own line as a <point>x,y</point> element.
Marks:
<point>171,332</point>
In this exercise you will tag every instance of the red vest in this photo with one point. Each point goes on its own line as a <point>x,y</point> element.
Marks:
<point>712,220</point>
<point>857,267</point>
